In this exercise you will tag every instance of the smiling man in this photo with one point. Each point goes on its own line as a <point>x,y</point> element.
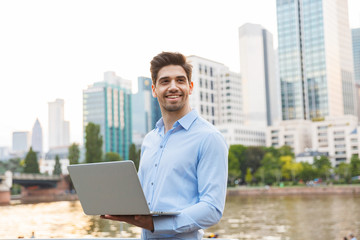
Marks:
<point>183,166</point>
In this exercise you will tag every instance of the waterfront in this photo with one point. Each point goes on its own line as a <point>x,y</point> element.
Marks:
<point>251,217</point>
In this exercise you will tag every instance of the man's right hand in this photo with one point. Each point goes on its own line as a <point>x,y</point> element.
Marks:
<point>143,221</point>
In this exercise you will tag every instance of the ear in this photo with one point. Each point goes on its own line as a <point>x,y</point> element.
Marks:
<point>191,86</point>
<point>153,91</point>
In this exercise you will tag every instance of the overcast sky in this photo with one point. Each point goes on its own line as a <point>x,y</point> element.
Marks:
<point>55,49</point>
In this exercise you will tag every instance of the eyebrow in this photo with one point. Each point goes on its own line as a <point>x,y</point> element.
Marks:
<point>167,77</point>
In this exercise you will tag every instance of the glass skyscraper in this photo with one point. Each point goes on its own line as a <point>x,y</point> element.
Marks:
<point>259,84</point>
<point>145,110</point>
<point>356,53</point>
<point>108,104</point>
<point>315,59</point>
<point>37,138</point>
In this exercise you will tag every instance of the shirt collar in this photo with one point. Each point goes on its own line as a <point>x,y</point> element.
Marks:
<point>185,121</point>
<point>188,119</point>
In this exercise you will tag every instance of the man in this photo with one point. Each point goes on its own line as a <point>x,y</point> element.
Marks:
<point>183,164</point>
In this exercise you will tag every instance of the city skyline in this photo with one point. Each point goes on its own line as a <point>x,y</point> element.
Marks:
<point>46,56</point>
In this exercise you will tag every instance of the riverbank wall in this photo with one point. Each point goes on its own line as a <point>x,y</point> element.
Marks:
<point>301,190</point>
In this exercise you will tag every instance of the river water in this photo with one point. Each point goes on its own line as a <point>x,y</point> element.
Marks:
<point>272,217</point>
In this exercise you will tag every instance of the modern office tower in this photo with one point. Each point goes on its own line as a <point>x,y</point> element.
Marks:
<point>4,153</point>
<point>217,98</point>
<point>21,142</point>
<point>145,110</point>
<point>217,91</point>
<point>37,138</point>
<point>108,104</point>
<point>259,84</point>
<point>315,60</point>
<point>355,33</point>
<point>59,131</point>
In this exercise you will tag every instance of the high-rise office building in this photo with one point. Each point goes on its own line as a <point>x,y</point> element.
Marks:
<point>217,97</point>
<point>108,104</point>
<point>217,91</point>
<point>37,138</point>
<point>355,33</point>
<point>315,60</point>
<point>59,130</point>
<point>259,84</point>
<point>145,110</point>
<point>21,142</point>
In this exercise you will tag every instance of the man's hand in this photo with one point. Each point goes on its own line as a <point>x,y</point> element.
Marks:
<point>143,221</point>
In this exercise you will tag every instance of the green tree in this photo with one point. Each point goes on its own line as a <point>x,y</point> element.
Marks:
<point>260,174</point>
<point>134,155</point>
<point>343,170</point>
<point>112,156</point>
<point>237,153</point>
<point>252,159</point>
<point>290,168</point>
<point>308,172</point>
<point>285,151</point>
<point>93,143</point>
<point>248,176</point>
<point>234,167</point>
<point>13,164</point>
<point>355,166</point>
<point>74,153</point>
<point>57,167</point>
<point>269,164</point>
<point>31,163</point>
<point>323,166</point>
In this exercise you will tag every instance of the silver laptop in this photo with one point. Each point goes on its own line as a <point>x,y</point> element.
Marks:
<point>110,188</point>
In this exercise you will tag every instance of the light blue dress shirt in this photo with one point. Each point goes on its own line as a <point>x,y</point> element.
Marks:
<point>184,170</point>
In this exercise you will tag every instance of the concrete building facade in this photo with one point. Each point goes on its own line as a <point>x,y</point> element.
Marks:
<point>217,97</point>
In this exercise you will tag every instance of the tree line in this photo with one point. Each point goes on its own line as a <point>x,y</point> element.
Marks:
<point>269,165</point>
<point>93,153</point>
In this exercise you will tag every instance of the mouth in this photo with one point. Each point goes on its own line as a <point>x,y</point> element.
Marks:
<point>173,96</point>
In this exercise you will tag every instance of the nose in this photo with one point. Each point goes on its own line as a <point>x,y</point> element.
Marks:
<point>173,86</point>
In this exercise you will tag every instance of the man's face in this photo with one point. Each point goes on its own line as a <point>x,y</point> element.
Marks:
<point>172,89</point>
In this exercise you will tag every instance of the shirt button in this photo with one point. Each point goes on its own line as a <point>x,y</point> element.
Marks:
<point>148,203</point>
<point>161,146</point>
<point>155,165</point>
<point>152,183</point>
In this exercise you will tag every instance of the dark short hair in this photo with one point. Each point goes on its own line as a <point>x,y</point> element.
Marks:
<point>169,58</point>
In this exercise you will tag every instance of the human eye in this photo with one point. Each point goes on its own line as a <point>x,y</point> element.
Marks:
<point>181,80</point>
<point>164,81</point>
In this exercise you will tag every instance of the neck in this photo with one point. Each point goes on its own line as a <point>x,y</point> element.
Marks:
<point>169,118</point>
